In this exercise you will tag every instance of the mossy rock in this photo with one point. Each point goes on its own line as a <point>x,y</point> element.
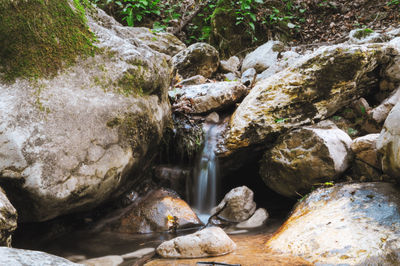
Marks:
<point>39,37</point>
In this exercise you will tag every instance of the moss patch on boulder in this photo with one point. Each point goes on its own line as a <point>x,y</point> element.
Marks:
<point>39,37</point>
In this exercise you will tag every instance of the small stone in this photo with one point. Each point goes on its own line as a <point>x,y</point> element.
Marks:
<point>230,77</point>
<point>103,261</point>
<point>230,65</point>
<point>195,80</point>
<point>197,59</point>
<point>380,113</point>
<point>213,118</point>
<point>209,242</point>
<point>361,106</point>
<point>138,253</point>
<point>258,219</point>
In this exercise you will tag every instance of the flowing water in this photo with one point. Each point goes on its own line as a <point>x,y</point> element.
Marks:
<point>203,190</point>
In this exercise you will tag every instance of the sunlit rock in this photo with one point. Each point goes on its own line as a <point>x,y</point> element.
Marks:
<point>349,224</point>
<point>197,59</point>
<point>314,88</point>
<point>263,57</point>
<point>230,65</point>
<point>306,157</point>
<point>212,241</point>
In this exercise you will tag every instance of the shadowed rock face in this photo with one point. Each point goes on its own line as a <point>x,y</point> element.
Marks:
<point>314,88</point>
<point>68,143</point>
<point>8,220</point>
<point>348,224</point>
<point>388,143</point>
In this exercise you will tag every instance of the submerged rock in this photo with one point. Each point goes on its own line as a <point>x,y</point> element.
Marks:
<point>314,88</point>
<point>71,141</point>
<point>205,98</point>
<point>112,260</point>
<point>158,211</point>
<point>305,158</point>
<point>8,220</point>
<point>197,59</point>
<point>348,224</point>
<point>212,241</point>
<point>388,143</point>
<point>22,257</point>
<point>238,205</point>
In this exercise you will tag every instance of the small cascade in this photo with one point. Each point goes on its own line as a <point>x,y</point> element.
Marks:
<point>203,191</point>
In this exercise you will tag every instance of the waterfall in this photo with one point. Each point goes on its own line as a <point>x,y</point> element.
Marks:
<point>203,192</point>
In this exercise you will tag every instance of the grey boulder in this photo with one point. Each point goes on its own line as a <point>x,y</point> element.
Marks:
<point>205,98</point>
<point>197,59</point>
<point>306,157</point>
<point>22,257</point>
<point>70,142</point>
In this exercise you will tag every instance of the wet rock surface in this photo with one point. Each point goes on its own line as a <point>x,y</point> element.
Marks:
<point>212,241</point>
<point>251,250</point>
<point>198,99</point>
<point>197,59</point>
<point>305,158</point>
<point>159,211</point>
<point>348,224</point>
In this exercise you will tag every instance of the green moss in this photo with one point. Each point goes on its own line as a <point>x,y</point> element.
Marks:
<point>39,37</point>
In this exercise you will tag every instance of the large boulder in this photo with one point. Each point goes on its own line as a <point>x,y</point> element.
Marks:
<point>8,220</point>
<point>197,59</point>
<point>71,141</point>
<point>22,257</point>
<point>237,205</point>
<point>314,88</point>
<point>212,241</point>
<point>159,211</point>
<point>388,144</point>
<point>305,158</point>
<point>348,224</point>
<point>208,97</point>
